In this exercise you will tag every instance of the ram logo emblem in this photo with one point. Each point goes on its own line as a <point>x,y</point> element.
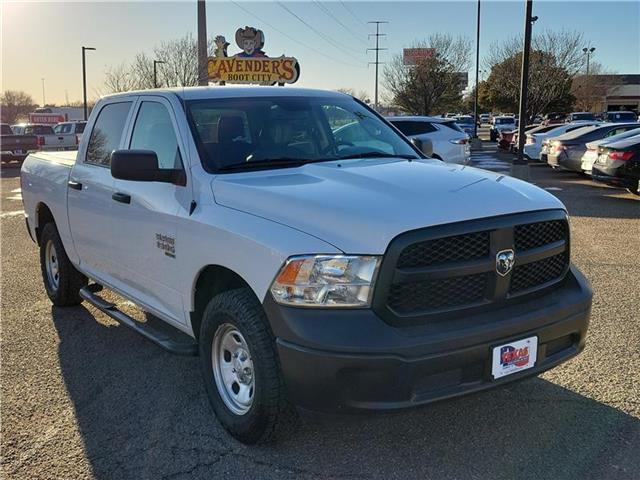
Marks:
<point>504,261</point>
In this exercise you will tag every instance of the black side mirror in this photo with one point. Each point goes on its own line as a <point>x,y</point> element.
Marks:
<point>142,166</point>
<point>425,146</point>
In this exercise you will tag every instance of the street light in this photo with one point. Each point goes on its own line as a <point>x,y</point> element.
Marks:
<point>155,72</point>
<point>475,100</point>
<point>84,80</point>
<point>588,52</point>
<point>43,102</point>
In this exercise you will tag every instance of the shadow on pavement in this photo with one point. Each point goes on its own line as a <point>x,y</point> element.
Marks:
<point>143,413</point>
<point>10,170</point>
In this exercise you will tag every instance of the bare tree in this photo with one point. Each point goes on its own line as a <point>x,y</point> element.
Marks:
<point>361,94</point>
<point>590,90</point>
<point>14,104</point>
<point>432,84</point>
<point>119,78</point>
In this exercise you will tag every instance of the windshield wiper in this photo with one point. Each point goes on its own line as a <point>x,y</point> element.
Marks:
<point>377,155</point>
<point>267,162</point>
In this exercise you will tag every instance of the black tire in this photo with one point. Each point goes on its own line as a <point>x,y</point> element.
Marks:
<point>635,191</point>
<point>70,281</point>
<point>270,411</point>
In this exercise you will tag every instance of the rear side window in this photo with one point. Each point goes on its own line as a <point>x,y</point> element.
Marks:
<point>38,130</point>
<point>154,131</point>
<point>452,126</point>
<point>414,128</point>
<point>80,127</point>
<point>106,133</point>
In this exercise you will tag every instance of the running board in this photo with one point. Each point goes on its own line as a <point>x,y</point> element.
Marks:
<point>161,339</point>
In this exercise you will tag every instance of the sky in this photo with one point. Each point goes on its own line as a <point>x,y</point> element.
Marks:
<point>44,39</point>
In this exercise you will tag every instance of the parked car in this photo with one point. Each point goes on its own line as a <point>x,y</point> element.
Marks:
<point>513,145</point>
<point>553,118</point>
<point>536,144</point>
<point>47,138</point>
<point>485,118</point>
<point>580,117</point>
<point>619,164</point>
<point>75,128</point>
<point>466,124</point>
<point>618,117</point>
<point>304,271</point>
<point>15,148</point>
<point>499,124</point>
<point>450,143</point>
<point>594,148</point>
<point>567,150</point>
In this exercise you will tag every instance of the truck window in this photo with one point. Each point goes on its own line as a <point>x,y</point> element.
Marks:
<point>106,133</point>
<point>80,127</point>
<point>413,128</point>
<point>6,129</point>
<point>38,130</point>
<point>153,130</point>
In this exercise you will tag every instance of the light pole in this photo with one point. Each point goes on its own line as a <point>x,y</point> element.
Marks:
<point>475,100</point>
<point>524,81</point>
<point>155,72</point>
<point>588,52</point>
<point>377,62</point>
<point>43,101</point>
<point>203,75</point>
<point>84,80</point>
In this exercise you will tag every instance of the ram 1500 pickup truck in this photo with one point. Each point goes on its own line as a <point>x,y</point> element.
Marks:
<point>15,147</point>
<point>305,271</point>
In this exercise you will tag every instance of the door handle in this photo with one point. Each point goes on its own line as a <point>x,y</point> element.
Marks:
<point>75,185</point>
<point>121,197</point>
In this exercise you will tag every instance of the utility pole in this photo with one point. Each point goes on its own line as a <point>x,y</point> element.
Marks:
<point>155,72</point>
<point>588,52</point>
<point>524,82</point>
<point>377,50</point>
<point>203,74</point>
<point>475,100</point>
<point>84,80</point>
<point>43,101</point>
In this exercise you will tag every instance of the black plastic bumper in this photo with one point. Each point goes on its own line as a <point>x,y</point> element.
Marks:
<point>341,360</point>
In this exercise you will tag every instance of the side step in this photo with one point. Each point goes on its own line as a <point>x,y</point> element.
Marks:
<point>163,340</point>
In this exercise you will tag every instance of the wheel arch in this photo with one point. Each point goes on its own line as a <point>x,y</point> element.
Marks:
<point>43,215</point>
<point>211,281</point>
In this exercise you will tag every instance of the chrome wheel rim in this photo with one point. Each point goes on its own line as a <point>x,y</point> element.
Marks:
<point>233,369</point>
<point>52,265</point>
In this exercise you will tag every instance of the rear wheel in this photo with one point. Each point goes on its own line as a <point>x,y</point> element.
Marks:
<point>635,191</point>
<point>61,280</point>
<point>241,368</point>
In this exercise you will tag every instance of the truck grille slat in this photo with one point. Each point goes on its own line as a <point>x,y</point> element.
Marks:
<point>404,296</point>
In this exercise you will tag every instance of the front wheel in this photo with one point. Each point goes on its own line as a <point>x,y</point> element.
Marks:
<point>61,279</point>
<point>241,368</point>
<point>635,190</point>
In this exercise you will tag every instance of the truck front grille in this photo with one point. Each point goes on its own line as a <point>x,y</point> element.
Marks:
<point>450,268</point>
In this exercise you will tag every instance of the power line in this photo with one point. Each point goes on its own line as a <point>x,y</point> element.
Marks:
<point>377,50</point>
<point>296,40</point>
<point>326,10</point>
<point>346,7</point>
<point>320,34</point>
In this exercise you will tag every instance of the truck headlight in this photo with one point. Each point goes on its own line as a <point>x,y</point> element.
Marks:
<point>326,281</point>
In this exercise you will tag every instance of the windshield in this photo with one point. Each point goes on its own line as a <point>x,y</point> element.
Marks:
<point>259,132</point>
<point>505,121</point>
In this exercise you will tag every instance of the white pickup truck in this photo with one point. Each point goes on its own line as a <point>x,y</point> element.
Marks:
<point>305,271</point>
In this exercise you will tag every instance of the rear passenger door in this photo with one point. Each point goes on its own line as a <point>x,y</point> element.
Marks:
<point>90,207</point>
<point>148,247</point>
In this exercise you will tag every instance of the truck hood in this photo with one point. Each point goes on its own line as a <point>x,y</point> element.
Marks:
<point>360,206</point>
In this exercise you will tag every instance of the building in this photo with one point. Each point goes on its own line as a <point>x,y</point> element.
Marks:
<point>604,93</point>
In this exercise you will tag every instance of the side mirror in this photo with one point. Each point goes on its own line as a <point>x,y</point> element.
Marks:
<point>425,146</point>
<point>142,166</point>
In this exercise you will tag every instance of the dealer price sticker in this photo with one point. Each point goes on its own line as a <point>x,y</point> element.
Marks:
<point>514,357</point>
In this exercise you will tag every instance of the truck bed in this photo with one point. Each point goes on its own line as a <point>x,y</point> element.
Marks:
<point>67,158</point>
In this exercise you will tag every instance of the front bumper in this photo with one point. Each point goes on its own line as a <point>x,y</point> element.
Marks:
<point>350,360</point>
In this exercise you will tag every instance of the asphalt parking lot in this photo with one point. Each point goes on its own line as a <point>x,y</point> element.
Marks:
<point>83,397</point>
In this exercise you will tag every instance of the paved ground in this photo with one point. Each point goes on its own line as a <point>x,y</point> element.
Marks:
<point>85,398</point>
